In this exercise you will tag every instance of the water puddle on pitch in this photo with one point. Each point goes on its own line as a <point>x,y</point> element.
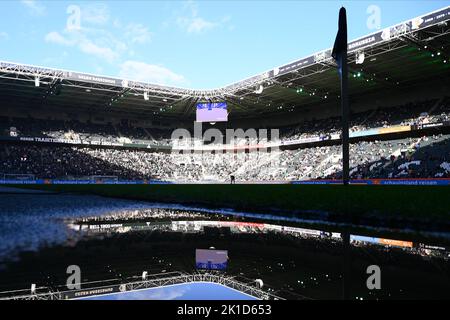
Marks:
<point>298,258</point>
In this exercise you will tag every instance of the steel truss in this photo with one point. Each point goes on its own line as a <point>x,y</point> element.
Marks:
<point>246,87</point>
<point>221,279</point>
<point>160,280</point>
<point>370,51</point>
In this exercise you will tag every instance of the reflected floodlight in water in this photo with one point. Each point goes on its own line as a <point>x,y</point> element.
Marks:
<point>260,89</point>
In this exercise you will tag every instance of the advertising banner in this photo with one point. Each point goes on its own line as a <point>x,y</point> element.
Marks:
<point>92,292</point>
<point>417,182</point>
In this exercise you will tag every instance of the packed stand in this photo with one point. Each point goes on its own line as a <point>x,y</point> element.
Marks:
<point>413,157</point>
<point>422,112</point>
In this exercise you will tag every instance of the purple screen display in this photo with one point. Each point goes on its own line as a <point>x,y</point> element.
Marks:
<point>211,259</point>
<point>212,112</point>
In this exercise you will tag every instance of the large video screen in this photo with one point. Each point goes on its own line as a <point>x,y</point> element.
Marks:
<point>212,112</point>
<point>211,259</point>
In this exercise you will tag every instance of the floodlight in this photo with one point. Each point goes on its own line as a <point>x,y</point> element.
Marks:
<point>259,283</point>
<point>260,89</point>
<point>360,57</point>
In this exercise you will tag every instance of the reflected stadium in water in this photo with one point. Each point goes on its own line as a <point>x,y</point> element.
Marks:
<point>119,239</point>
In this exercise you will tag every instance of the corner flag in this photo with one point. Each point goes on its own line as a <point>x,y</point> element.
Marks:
<point>339,53</point>
<point>340,44</point>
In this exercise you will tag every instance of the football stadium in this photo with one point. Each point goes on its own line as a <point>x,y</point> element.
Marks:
<point>117,189</point>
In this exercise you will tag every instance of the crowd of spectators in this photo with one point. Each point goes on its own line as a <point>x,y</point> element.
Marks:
<point>82,131</point>
<point>152,214</point>
<point>413,157</point>
<point>413,113</point>
<point>428,156</point>
<point>416,113</point>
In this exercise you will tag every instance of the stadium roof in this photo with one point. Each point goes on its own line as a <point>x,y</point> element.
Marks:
<point>411,51</point>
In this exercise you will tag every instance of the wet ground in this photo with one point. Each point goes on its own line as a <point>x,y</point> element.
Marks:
<point>42,234</point>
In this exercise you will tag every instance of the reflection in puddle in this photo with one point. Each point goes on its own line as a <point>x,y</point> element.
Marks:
<point>111,238</point>
<point>170,220</point>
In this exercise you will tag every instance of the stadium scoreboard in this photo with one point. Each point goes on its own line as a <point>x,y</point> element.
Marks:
<point>212,112</point>
<point>210,259</point>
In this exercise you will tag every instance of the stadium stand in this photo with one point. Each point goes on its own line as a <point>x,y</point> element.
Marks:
<point>412,113</point>
<point>428,156</point>
<point>70,125</point>
<point>423,157</point>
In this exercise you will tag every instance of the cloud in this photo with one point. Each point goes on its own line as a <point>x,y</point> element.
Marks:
<point>192,23</point>
<point>112,41</point>
<point>196,25</point>
<point>56,37</point>
<point>141,71</point>
<point>101,35</point>
<point>85,45</point>
<point>160,293</point>
<point>34,7</point>
<point>4,35</point>
<point>97,14</point>
<point>167,293</point>
<point>137,33</point>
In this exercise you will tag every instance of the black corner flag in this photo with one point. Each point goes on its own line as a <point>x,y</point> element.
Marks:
<point>339,53</point>
<point>340,44</point>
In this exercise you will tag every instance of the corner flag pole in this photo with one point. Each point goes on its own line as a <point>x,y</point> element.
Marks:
<point>339,53</point>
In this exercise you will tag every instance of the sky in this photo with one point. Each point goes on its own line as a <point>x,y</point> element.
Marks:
<point>183,291</point>
<point>201,44</point>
